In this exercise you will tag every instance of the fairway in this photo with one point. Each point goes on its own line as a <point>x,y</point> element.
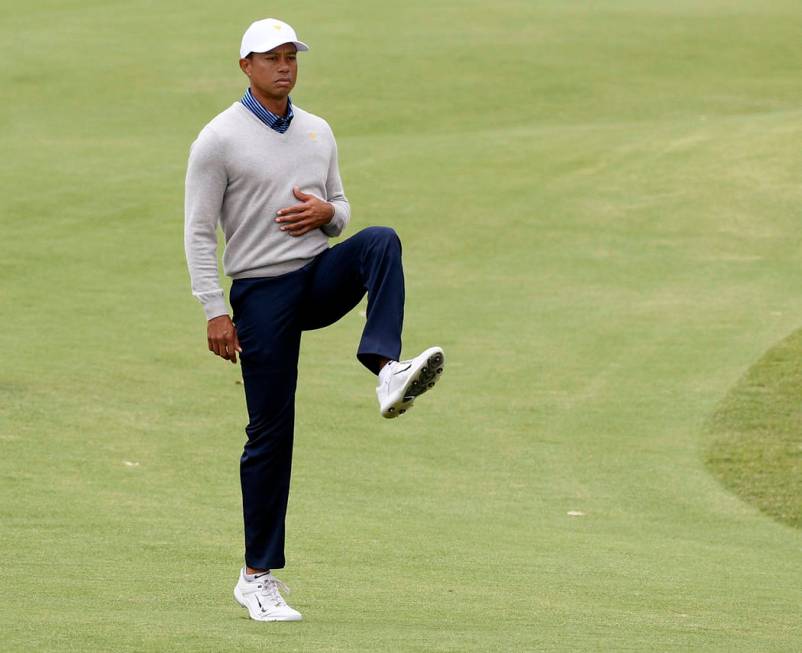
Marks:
<point>599,205</point>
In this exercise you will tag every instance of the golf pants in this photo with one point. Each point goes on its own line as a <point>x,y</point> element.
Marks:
<point>270,313</point>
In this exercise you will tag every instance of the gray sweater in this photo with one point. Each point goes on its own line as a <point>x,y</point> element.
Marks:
<point>240,173</point>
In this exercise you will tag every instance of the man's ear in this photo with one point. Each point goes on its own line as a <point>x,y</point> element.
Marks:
<point>245,65</point>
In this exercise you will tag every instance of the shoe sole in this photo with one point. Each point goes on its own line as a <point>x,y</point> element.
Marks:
<point>420,381</point>
<point>241,602</point>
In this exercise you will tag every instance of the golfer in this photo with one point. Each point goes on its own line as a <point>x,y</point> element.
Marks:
<point>266,171</point>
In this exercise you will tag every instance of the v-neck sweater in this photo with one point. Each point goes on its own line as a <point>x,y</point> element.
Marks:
<point>240,173</point>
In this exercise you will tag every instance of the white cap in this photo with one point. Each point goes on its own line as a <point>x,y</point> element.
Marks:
<point>264,35</point>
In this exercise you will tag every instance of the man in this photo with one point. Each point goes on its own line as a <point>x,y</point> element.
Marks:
<point>266,171</point>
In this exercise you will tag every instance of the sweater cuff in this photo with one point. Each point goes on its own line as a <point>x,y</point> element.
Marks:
<point>337,224</point>
<point>214,306</point>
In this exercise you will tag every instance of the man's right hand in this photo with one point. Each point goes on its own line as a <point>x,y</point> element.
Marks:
<point>222,337</point>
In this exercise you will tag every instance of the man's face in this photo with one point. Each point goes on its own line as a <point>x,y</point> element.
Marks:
<point>272,73</point>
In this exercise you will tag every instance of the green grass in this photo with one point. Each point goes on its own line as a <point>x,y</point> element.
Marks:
<point>599,205</point>
<point>756,448</point>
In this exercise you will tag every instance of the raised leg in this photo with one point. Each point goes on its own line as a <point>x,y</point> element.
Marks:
<point>369,261</point>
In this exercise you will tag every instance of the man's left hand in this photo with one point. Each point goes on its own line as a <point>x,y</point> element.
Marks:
<point>311,213</point>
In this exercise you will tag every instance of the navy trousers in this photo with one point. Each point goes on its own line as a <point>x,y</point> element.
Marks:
<point>270,313</point>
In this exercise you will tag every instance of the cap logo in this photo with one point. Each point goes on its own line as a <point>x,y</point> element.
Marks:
<point>277,27</point>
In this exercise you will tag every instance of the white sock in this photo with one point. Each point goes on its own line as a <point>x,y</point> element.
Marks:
<point>385,371</point>
<point>249,578</point>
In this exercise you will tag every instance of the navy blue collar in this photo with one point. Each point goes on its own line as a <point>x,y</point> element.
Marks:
<point>272,120</point>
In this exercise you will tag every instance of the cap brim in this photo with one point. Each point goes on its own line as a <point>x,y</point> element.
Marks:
<point>300,46</point>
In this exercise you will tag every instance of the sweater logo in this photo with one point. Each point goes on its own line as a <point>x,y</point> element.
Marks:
<point>312,136</point>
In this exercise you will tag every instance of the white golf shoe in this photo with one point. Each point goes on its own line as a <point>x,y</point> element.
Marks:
<point>401,382</point>
<point>262,599</point>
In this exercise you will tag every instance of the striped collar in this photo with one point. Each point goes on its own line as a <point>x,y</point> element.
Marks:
<point>272,120</point>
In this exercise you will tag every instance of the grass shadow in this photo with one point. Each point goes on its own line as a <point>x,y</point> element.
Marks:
<point>755,446</point>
